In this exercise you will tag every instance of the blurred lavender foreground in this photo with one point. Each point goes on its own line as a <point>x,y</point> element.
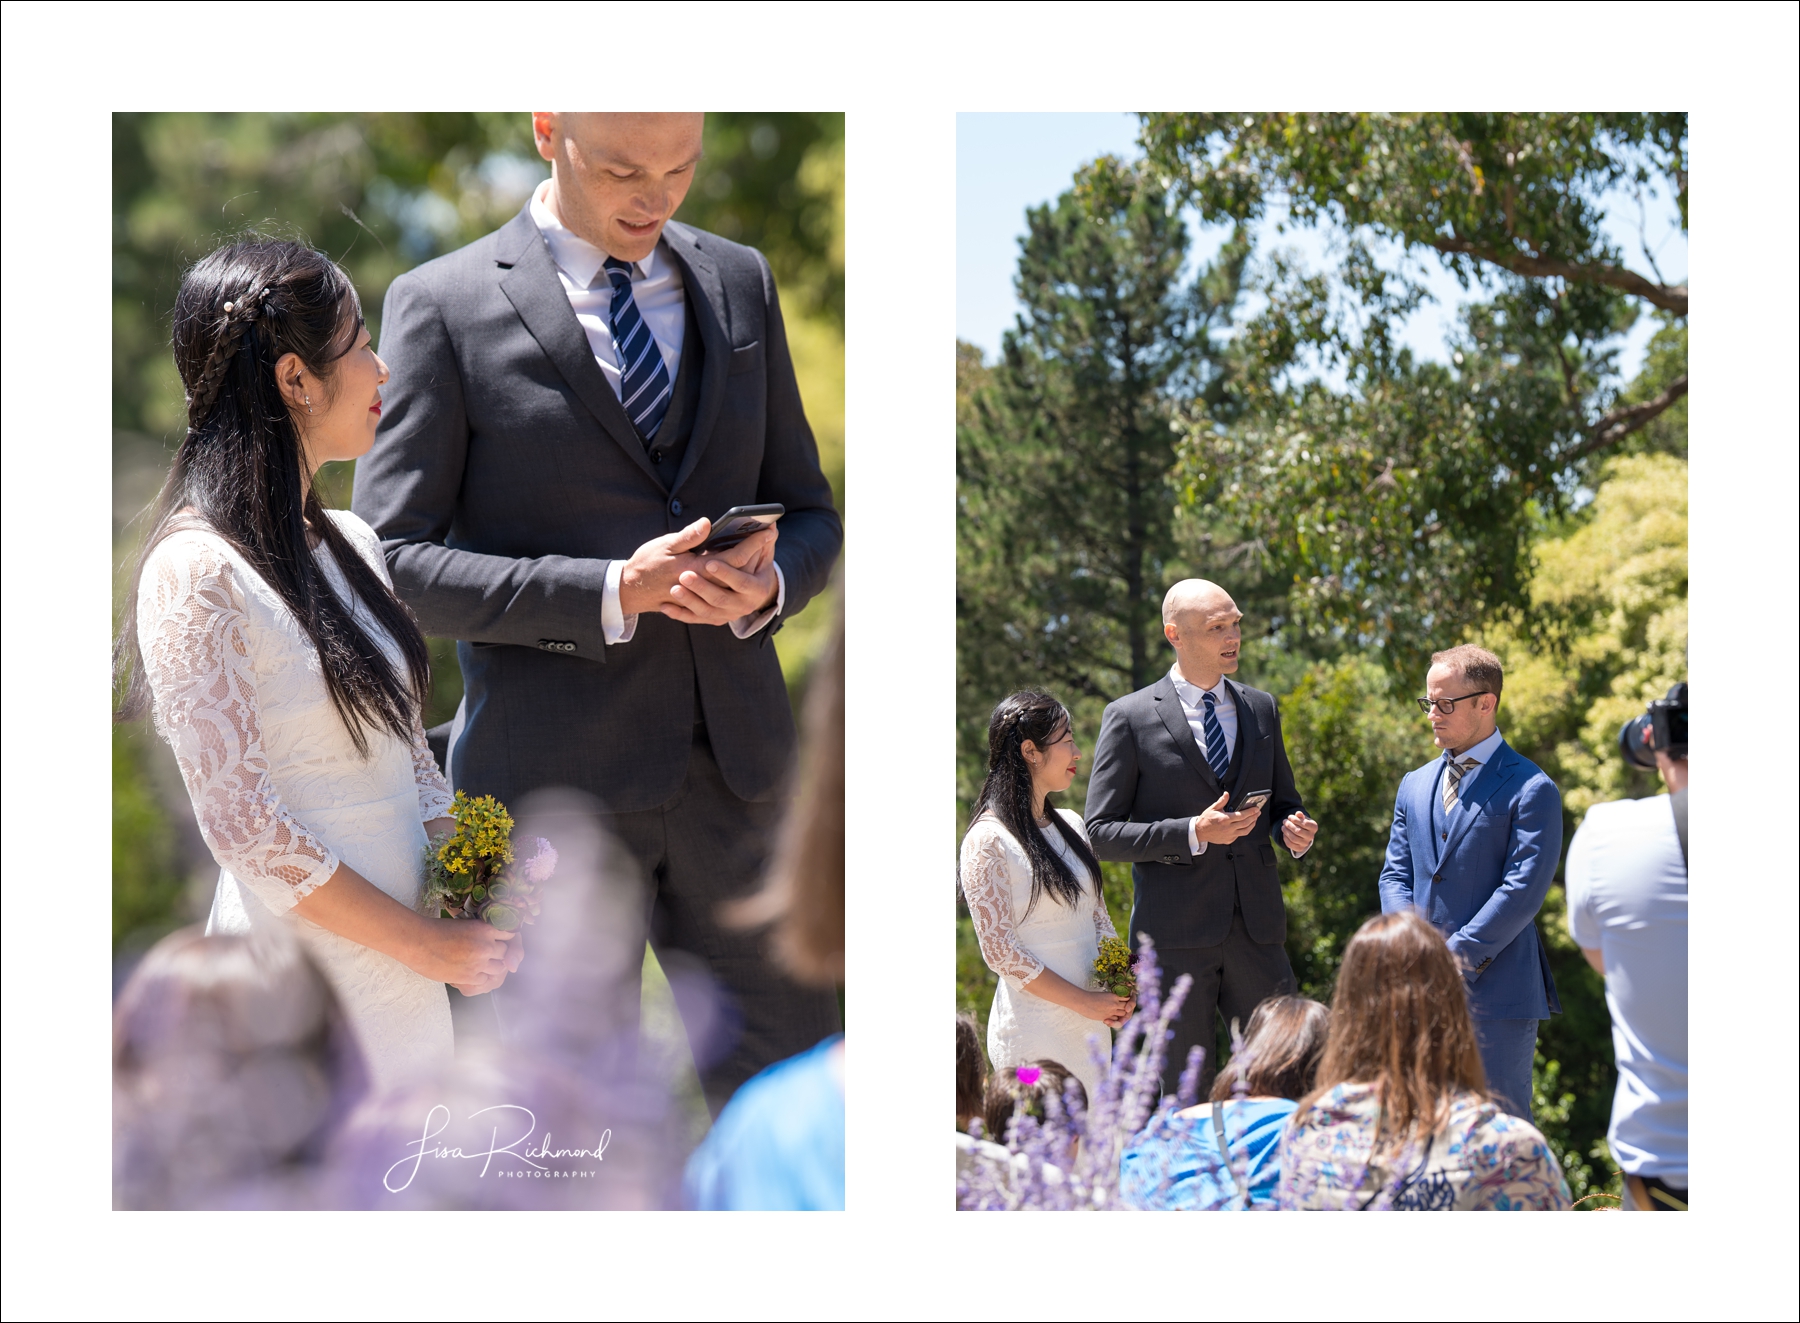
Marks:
<point>565,1108</point>
<point>1034,1176</point>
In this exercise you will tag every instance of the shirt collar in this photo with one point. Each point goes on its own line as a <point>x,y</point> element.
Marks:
<point>1190,693</point>
<point>578,258</point>
<point>1482,753</point>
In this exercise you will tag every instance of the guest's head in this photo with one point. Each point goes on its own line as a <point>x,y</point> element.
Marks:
<point>1462,694</point>
<point>971,1071</point>
<point>1201,623</point>
<point>804,893</point>
<point>1026,1090</point>
<point>617,178</point>
<point>1032,754</point>
<point>232,1065</point>
<point>1280,1054</point>
<point>280,377</point>
<point>1400,1021</point>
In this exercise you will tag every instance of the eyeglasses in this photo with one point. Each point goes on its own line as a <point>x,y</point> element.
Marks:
<point>1447,705</point>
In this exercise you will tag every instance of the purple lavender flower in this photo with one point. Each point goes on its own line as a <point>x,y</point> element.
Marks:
<point>1033,1170</point>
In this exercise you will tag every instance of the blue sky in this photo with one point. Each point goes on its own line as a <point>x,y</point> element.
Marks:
<point>1007,162</point>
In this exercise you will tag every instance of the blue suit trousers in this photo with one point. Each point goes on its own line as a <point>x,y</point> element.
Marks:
<point>1507,1048</point>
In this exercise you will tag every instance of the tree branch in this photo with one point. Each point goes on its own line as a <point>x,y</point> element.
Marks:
<point>1671,298</point>
<point>1621,423</point>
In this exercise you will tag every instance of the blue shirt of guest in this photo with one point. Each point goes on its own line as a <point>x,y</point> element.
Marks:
<point>779,1143</point>
<point>1178,1167</point>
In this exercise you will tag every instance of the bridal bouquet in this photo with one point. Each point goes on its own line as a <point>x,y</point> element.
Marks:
<point>473,875</point>
<point>1114,968</point>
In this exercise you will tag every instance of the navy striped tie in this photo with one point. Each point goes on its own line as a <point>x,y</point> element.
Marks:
<point>644,387</point>
<point>1216,752</point>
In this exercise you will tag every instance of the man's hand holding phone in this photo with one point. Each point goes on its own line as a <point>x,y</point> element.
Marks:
<point>1217,827</point>
<point>666,575</point>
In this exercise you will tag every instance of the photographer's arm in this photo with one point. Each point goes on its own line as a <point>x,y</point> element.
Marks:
<point>1578,909</point>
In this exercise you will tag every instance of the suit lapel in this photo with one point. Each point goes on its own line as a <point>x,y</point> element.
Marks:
<point>706,295</point>
<point>537,295</point>
<point>1168,707</point>
<point>1248,732</point>
<point>1419,811</point>
<point>1495,777</point>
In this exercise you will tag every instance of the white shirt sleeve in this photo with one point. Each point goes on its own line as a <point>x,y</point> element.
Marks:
<point>745,626</point>
<point>615,626</point>
<point>1195,844</point>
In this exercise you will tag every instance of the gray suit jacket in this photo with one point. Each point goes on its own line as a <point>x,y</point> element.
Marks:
<point>506,476</point>
<point>1150,778</point>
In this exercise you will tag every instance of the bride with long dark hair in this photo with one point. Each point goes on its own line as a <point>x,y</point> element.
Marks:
<point>1033,888</point>
<point>263,634</point>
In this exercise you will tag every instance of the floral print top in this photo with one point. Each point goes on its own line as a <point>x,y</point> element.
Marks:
<point>1481,1158</point>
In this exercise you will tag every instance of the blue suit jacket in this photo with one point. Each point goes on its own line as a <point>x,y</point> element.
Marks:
<point>1483,886</point>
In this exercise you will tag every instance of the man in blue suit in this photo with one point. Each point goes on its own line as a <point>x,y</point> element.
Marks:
<point>1474,845</point>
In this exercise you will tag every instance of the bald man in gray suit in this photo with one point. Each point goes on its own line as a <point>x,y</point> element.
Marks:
<point>574,399</point>
<point>1171,761</point>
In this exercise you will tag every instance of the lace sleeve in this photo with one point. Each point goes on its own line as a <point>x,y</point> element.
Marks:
<point>1103,924</point>
<point>989,893</point>
<point>193,634</point>
<point>434,790</point>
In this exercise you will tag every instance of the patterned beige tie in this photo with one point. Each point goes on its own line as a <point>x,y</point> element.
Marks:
<point>1453,775</point>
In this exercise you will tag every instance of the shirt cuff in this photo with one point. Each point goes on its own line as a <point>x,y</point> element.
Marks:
<point>1196,846</point>
<point>745,626</point>
<point>615,626</point>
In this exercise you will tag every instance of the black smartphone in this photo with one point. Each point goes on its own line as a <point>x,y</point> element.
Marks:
<point>738,523</point>
<point>1253,799</point>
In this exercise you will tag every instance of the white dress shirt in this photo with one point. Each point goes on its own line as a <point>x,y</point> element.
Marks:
<point>1193,707</point>
<point>661,298</point>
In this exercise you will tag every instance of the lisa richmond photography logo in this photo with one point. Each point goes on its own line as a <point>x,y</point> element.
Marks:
<point>502,1142</point>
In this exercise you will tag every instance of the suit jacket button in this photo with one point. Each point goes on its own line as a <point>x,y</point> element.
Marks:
<point>675,507</point>
<point>656,456</point>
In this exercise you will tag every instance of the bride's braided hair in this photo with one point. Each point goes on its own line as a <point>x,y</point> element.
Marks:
<point>1006,793</point>
<point>235,317</point>
<point>241,472</point>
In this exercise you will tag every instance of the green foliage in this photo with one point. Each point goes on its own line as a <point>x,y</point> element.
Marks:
<point>382,193</point>
<point>1066,522</point>
<point>1365,508</point>
<point>1604,633</point>
<point>146,873</point>
<point>1350,739</point>
<point>776,183</point>
<point>1518,191</point>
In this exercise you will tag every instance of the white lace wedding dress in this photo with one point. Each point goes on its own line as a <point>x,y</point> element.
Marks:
<point>996,882</point>
<point>281,796</point>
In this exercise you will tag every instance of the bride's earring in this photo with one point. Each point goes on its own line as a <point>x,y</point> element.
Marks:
<point>308,400</point>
